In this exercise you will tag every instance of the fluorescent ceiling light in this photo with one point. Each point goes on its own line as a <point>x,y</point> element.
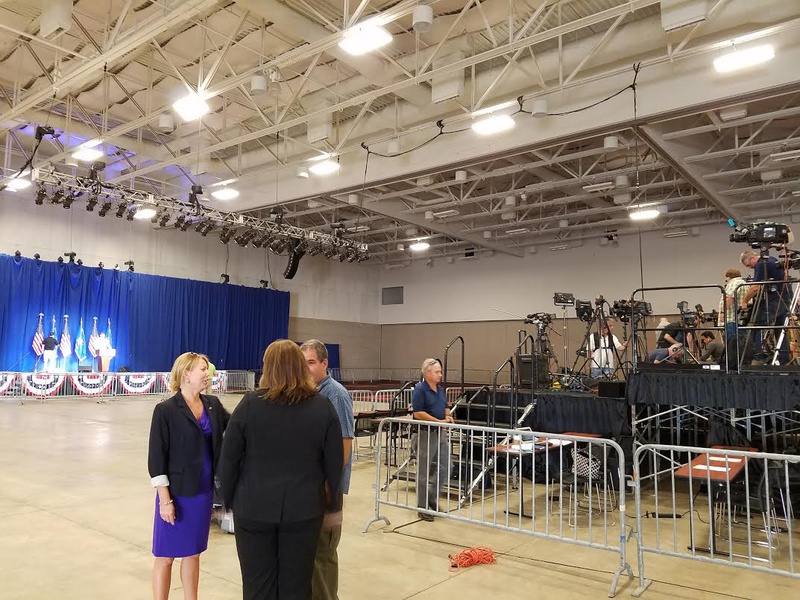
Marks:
<point>494,108</point>
<point>518,231</point>
<point>326,167</point>
<point>446,213</point>
<point>784,156</point>
<point>557,248</point>
<point>226,193</point>
<point>18,184</point>
<point>358,229</point>
<point>419,246</point>
<point>495,124</point>
<point>644,215</point>
<point>603,186</point>
<point>741,59</point>
<point>676,233</point>
<point>145,213</point>
<point>87,154</point>
<point>364,38</point>
<point>191,107</point>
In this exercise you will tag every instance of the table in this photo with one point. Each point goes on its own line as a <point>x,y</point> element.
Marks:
<point>718,468</point>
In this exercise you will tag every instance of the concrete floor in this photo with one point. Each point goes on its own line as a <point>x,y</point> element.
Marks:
<point>77,515</point>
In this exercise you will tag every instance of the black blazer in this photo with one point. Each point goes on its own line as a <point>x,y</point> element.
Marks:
<point>276,459</point>
<point>176,442</point>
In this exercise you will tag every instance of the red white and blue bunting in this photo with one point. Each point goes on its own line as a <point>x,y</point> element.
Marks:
<point>6,381</point>
<point>136,383</point>
<point>92,384</point>
<point>42,384</point>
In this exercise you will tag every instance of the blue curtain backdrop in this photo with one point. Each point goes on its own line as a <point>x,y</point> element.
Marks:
<point>153,318</point>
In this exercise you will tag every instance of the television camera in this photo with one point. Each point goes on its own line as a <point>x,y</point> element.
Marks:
<point>758,235</point>
<point>541,319</point>
<point>624,310</point>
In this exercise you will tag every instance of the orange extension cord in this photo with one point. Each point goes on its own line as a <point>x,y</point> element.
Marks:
<point>472,556</point>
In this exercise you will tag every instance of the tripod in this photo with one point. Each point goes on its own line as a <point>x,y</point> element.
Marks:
<point>639,341</point>
<point>598,319</point>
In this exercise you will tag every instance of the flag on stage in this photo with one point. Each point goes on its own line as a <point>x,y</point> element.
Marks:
<point>108,335</point>
<point>80,344</point>
<point>93,337</point>
<point>66,341</point>
<point>38,338</point>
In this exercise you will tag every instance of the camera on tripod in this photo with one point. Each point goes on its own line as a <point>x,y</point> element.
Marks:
<point>791,259</point>
<point>705,317</point>
<point>758,235</point>
<point>624,310</point>
<point>689,318</point>
<point>541,319</point>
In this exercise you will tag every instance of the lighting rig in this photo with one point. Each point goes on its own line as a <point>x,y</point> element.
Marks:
<point>272,233</point>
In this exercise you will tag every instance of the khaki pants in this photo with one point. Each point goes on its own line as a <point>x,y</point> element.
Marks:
<point>325,581</point>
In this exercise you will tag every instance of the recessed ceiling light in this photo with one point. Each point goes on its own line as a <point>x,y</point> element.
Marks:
<point>87,154</point>
<point>145,213</point>
<point>493,124</point>
<point>364,38</point>
<point>741,59</point>
<point>191,107</point>
<point>419,246</point>
<point>644,215</point>
<point>226,193</point>
<point>325,167</point>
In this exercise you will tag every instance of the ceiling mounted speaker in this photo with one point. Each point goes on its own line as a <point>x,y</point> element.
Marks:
<point>539,108</point>
<point>258,85</point>
<point>422,18</point>
<point>621,181</point>
<point>166,124</point>
<point>352,199</point>
<point>461,175</point>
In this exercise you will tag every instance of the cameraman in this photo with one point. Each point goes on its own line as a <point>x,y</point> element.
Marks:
<point>601,346</point>
<point>773,306</point>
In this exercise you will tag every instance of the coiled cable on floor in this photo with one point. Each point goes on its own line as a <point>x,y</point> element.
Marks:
<point>472,556</point>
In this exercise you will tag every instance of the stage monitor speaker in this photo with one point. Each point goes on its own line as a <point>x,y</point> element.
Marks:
<point>611,389</point>
<point>542,372</point>
<point>124,369</point>
<point>84,368</point>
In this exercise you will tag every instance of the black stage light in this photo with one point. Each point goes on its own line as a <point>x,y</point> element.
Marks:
<point>180,221</point>
<point>225,278</point>
<point>79,262</point>
<point>584,310</point>
<point>130,265</point>
<point>68,200</point>
<point>57,197</point>
<point>91,203</point>
<point>100,264</point>
<point>17,254</point>
<point>61,260</point>
<point>104,209</point>
<point>131,213</point>
<point>71,256</point>
<point>185,225</point>
<point>164,219</point>
<point>37,256</point>
<point>121,210</point>
<point>226,234</point>
<point>264,283</point>
<point>41,194</point>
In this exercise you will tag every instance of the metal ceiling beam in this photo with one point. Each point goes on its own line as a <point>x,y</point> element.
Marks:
<point>674,154</point>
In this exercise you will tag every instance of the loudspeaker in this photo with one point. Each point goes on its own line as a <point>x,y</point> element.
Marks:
<point>84,368</point>
<point>542,372</point>
<point>611,389</point>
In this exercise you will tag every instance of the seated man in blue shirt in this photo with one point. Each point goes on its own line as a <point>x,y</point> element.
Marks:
<point>429,403</point>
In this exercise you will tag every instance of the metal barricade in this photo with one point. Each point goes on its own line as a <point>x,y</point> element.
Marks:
<point>478,475</point>
<point>363,400</point>
<point>720,505</point>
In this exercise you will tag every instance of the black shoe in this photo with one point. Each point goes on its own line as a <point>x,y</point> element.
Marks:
<point>425,517</point>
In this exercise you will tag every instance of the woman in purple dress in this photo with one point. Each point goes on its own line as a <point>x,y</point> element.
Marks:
<point>185,442</point>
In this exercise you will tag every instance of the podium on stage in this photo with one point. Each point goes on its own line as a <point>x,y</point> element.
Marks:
<point>104,357</point>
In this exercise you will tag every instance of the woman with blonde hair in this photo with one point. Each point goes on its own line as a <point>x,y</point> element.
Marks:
<point>185,444</point>
<point>280,468</point>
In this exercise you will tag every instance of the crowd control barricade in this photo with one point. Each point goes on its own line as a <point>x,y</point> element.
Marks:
<point>363,400</point>
<point>559,487</point>
<point>724,505</point>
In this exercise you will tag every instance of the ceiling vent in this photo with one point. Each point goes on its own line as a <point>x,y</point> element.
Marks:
<point>447,86</point>
<point>56,18</point>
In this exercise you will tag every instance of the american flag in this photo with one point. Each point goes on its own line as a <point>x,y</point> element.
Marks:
<point>38,338</point>
<point>93,337</point>
<point>66,341</point>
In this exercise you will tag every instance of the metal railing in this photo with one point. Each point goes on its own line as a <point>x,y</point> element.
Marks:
<point>83,385</point>
<point>472,474</point>
<point>717,505</point>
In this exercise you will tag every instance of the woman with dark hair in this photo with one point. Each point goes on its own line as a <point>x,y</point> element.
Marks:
<point>185,443</point>
<point>280,469</point>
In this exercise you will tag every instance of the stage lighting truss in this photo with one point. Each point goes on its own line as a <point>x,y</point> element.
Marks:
<point>272,233</point>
